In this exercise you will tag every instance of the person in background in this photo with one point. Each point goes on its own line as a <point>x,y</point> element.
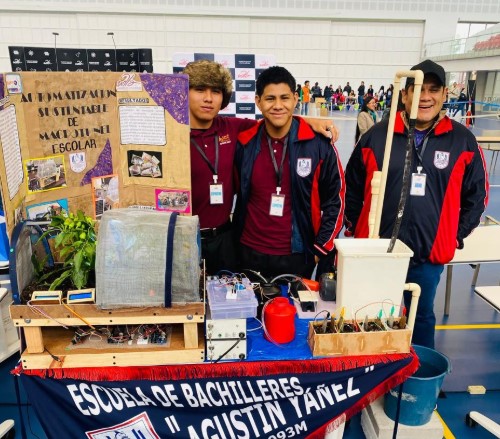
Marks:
<point>361,93</point>
<point>291,198</point>
<point>316,91</point>
<point>328,92</point>
<point>460,105</point>
<point>389,95</point>
<point>453,94</point>
<point>299,94</point>
<point>306,98</point>
<point>447,196</point>
<point>370,92</point>
<point>347,89</point>
<point>381,97</point>
<point>351,99</point>
<point>213,144</point>
<point>367,117</point>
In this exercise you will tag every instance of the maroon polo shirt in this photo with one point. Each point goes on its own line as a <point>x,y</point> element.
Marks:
<point>227,130</point>
<point>268,234</point>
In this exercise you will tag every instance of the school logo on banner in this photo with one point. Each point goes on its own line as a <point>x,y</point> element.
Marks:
<point>441,159</point>
<point>304,167</point>
<point>77,161</point>
<point>137,427</point>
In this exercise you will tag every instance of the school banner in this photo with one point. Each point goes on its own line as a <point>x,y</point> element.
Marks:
<point>91,141</point>
<point>302,399</point>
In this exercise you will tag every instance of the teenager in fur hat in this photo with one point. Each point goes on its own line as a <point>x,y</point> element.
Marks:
<point>213,144</point>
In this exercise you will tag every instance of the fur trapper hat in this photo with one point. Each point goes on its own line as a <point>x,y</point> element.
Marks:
<point>204,73</point>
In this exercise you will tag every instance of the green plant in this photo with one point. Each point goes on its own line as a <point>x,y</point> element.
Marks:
<point>75,239</point>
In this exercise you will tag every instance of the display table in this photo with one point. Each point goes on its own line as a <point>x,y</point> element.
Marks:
<point>480,247</point>
<point>266,396</point>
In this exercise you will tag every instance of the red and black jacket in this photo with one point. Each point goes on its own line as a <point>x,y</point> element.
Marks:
<point>456,192</point>
<point>317,199</point>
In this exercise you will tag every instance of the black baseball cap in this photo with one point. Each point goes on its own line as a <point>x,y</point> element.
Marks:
<point>429,68</point>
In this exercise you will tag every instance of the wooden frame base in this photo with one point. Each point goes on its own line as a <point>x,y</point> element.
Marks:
<point>47,342</point>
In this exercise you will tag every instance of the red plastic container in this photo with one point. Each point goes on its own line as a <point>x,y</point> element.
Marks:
<point>279,318</point>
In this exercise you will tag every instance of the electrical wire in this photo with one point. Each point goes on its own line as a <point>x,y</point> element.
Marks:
<point>78,315</point>
<point>43,313</point>
<point>257,274</point>
<point>229,350</point>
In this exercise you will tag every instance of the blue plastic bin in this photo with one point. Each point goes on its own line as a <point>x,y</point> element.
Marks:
<point>421,390</point>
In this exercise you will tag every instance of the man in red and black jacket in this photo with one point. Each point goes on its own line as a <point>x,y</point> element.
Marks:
<point>290,204</point>
<point>448,192</point>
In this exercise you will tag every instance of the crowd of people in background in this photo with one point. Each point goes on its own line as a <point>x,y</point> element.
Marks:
<point>340,96</point>
<point>367,99</point>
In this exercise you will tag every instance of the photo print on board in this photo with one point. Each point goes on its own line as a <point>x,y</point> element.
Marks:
<point>173,200</point>
<point>45,174</point>
<point>144,164</point>
<point>45,211</point>
<point>105,194</point>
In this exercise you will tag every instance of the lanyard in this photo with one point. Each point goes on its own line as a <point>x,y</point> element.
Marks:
<point>420,151</point>
<point>213,167</point>
<point>279,172</point>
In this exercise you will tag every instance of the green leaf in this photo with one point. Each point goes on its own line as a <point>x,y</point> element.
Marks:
<point>80,216</point>
<point>56,221</point>
<point>79,279</point>
<point>59,239</point>
<point>68,238</point>
<point>65,251</point>
<point>78,260</point>
<point>51,273</point>
<point>90,250</point>
<point>60,280</point>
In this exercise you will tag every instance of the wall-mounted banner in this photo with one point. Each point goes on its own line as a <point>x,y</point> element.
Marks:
<point>244,68</point>
<point>247,400</point>
<point>49,59</point>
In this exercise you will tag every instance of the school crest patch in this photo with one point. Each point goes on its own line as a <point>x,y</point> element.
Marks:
<point>77,161</point>
<point>304,167</point>
<point>137,427</point>
<point>441,159</point>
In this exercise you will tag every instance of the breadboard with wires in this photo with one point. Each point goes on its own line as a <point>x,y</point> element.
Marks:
<point>243,305</point>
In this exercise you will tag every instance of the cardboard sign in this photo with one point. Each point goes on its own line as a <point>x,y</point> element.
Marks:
<point>64,130</point>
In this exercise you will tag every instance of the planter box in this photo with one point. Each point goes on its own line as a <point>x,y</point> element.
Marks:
<point>390,341</point>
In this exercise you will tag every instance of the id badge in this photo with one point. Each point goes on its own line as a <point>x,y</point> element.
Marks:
<point>418,184</point>
<point>277,205</point>
<point>216,194</point>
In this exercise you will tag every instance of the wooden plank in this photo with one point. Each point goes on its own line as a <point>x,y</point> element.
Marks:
<point>22,315</point>
<point>190,335</point>
<point>57,341</point>
<point>34,340</point>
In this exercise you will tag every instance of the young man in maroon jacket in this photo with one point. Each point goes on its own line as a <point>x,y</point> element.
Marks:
<point>213,144</point>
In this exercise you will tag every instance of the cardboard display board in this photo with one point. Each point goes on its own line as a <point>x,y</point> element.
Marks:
<point>245,68</point>
<point>91,141</point>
